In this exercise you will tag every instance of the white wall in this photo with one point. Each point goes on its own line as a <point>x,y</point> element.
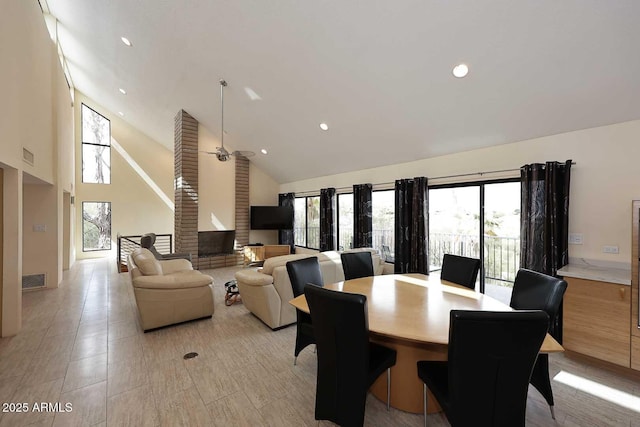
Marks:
<point>604,180</point>
<point>263,191</point>
<point>37,246</point>
<point>35,113</point>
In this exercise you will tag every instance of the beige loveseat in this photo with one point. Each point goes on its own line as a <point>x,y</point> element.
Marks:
<point>168,292</point>
<point>267,292</point>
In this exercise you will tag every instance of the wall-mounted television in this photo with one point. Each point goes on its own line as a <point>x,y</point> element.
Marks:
<point>271,217</point>
<point>214,243</point>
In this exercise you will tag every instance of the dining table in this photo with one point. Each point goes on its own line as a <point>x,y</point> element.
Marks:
<point>410,313</point>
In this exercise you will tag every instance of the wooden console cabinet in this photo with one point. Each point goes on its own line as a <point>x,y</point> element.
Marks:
<point>255,254</point>
<point>596,320</point>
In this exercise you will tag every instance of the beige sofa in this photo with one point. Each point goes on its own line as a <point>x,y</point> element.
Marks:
<point>168,292</point>
<point>267,292</point>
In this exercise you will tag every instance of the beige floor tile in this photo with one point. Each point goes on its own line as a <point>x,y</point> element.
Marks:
<point>125,376</point>
<point>84,372</point>
<point>122,329</point>
<point>184,408</point>
<point>25,341</point>
<point>260,385</point>
<point>169,378</point>
<point>158,345</point>
<point>32,396</point>
<point>124,349</point>
<point>234,410</point>
<point>94,315</point>
<point>211,379</point>
<point>88,406</point>
<point>54,345</point>
<point>92,328</point>
<point>89,346</point>
<point>63,327</point>
<point>15,363</point>
<point>46,368</point>
<point>8,387</point>
<point>280,413</point>
<point>133,408</point>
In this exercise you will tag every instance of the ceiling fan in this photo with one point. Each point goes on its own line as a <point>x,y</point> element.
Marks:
<point>222,153</point>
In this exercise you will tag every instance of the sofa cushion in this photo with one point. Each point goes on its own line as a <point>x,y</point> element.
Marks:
<point>277,261</point>
<point>180,280</point>
<point>146,262</point>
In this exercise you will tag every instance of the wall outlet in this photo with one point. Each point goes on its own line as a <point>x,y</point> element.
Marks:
<point>610,249</point>
<point>575,238</point>
<point>39,228</point>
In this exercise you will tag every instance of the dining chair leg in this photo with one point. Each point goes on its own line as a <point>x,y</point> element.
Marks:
<point>424,403</point>
<point>553,413</point>
<point>295,360</point>
<point>388,387</point>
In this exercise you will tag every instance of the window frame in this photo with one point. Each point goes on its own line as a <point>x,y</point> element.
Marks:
<point>481,199</point>
<point>84,249</point>
<point>83,143</point>
<point>306,221</point>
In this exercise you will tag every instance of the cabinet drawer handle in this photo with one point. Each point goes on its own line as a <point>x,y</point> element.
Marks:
<point>622,291</point>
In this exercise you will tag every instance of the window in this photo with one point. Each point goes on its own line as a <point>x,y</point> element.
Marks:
<point>307,222</point>
<point>96,226</point>
<point>313,222</point>
<point>383,216</point>
<point>478,221</point>
<point>345,221</point>
<point>96,147</point>
<point>300,221</point>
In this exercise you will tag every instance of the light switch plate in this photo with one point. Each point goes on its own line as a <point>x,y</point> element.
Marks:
<point>575,238</point>
<point>39,228</point>
<point>610,249</point>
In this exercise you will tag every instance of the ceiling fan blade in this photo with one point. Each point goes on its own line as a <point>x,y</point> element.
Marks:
<point>243,153</point>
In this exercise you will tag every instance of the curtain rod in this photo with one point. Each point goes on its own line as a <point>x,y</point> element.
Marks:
<point>462,175</point>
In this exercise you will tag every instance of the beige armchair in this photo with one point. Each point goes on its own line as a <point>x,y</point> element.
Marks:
<point>168,292</point>
<point>266,293</point>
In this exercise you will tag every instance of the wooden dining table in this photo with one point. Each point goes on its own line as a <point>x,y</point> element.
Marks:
<point>410,313</point>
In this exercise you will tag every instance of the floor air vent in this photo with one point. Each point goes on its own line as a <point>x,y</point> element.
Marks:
<point>33,281</point>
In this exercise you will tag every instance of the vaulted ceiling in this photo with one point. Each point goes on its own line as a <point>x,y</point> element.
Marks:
<point>377,72</point>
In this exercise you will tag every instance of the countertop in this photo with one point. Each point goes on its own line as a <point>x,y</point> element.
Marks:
<point>599,273</point>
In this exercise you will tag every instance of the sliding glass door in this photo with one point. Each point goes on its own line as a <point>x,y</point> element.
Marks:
<point>479,220</point>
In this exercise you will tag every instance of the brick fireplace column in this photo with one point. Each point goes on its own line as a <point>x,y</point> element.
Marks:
<point>242,201</point>
<point>186,184</point>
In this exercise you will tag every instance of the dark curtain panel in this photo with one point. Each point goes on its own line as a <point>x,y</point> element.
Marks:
<point>285,237</point>
<point>328,212</point>
<point>411,226</point>
<point>544,221</point>
<point>362,222</point>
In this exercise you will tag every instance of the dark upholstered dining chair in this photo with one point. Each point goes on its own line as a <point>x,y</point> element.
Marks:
<point>348,364</point>
<point>537,291</point>
<point>460,270</point>
<point>148,241</point>
<point>356,265</point>
<point>491,355</point>
<point>302,272</point>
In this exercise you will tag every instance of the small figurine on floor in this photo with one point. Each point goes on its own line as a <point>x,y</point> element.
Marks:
<point>232,293</point>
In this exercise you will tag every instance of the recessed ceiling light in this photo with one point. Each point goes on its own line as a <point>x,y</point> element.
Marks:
<point>122,91</point>
<point>263,151</point>
<point>460,70</point>
<point>121,113</point>
<point>126,41</point>
<point>324,126</point>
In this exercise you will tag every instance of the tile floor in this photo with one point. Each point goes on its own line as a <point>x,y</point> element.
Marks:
<point>82,345</point>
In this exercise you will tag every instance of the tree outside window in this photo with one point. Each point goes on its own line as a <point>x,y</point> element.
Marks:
<point>96,147</point>
<point>96,226</point>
